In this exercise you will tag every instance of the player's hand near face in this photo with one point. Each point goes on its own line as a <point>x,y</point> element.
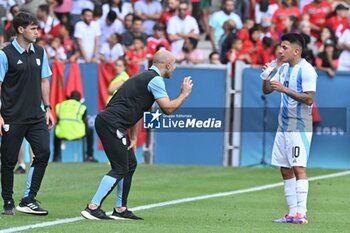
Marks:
<point>265,66</point>
<point>276,85</point>
<point>186,86</point>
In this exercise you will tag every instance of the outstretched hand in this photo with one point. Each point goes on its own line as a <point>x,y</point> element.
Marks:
<point>187,86</point>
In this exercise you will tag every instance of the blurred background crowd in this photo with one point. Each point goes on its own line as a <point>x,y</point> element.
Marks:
<point>196,31</point>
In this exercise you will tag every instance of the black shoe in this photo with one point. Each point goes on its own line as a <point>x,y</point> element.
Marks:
<point>96,214</point>
<point>9,208</point>
<point>91,160</point>
<point>20,170</point>
<point>126,214</point>
<point>30,206</point>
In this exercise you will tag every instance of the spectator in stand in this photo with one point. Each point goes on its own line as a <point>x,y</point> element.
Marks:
<point>87,34</point>
<point>181,27</point>
<point>307,53</point>
<point>111,50</point>
<point>109,26</point>
<point>226,39</point>
<point>327,60</point>
<point>9,30</point>
<point>316,13</point>
<point>266,31</point>
<point>5,5</point>
<point>136,31</point>
<point>338,19</point>
<point>267,50</point>
<point>50,26</point>
<point>236,53</point>
<point>283,11</point>
<point>190,54</point>
<point>55,50</point>
<point>214,58</point>
<point>253,46</point>
<point>62,10</point>
<point>243,33</point>
<point>120,77</point>
<point>290,25</point>
<point>326,33</point>
<point>135,56</point>
<point>217,20</point>
<point>77,7</point>
<point>150,11</point>
<point>264,9</point>
<point>157,39</point>
<point>344,44</point>
<point>70,48</point>
<point>171,10</point>
<point>204,16</point>
<point>121,8</point>
<point>305,30</point>
<point>128,19</point>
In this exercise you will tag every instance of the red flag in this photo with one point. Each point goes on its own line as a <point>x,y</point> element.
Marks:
<point>57,94</point>
<point>106,72</point>
<point>74,82</point>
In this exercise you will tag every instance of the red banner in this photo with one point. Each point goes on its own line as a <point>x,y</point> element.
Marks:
<point>74,82</point>
<point>57,93</point>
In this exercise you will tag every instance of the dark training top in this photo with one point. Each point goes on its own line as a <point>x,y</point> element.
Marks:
<point>134,97</point>
<point>21,87</point>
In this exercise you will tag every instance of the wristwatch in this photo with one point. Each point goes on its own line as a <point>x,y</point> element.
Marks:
<point>47,106</point>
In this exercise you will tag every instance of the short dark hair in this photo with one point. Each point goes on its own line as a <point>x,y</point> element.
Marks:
<point>111,16</point>
<point>24,19</point>
<point>86,10</point>
<point>294,38</point>
<point>212,54</point>
<point>136,18</point>
<point>193,41</point>
<point>45,8</point>
<point>75,95</point>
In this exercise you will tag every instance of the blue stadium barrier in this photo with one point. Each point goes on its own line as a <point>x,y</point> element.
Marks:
<point>174,147</point>
<point>198,148</point>
<point>330,144</point>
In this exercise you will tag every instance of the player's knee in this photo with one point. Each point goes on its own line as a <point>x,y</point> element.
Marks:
<point>118,174</point>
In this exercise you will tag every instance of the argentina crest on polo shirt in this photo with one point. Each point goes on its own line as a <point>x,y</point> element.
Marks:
<point>38,62</point>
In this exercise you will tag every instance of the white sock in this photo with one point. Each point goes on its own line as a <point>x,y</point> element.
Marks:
<point>291,195</point>
<point>302,191</point>
<point>22,165</point>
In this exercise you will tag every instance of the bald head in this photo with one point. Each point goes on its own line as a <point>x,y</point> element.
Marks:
<point>162,57</point>
<point>165,62</point>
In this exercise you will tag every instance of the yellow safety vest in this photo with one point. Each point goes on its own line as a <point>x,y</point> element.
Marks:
<point>70,125</point>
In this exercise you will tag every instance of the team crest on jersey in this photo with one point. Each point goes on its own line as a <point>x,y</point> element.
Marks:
<point>38,62</point>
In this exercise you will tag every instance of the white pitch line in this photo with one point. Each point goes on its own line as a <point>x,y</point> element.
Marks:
<point>173,202</point>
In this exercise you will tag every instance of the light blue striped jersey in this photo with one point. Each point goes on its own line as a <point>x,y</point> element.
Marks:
<point>295,116</point>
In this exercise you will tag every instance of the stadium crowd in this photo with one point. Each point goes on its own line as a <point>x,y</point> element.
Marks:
<point>94,31</point>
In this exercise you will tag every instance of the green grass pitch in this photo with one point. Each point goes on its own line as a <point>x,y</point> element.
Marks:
<point>67,188</point>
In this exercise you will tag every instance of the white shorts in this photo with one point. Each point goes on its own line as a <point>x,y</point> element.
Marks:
<point>291,149</point>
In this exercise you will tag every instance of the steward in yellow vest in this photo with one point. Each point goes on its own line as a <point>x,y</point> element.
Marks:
<point>72,124</point>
